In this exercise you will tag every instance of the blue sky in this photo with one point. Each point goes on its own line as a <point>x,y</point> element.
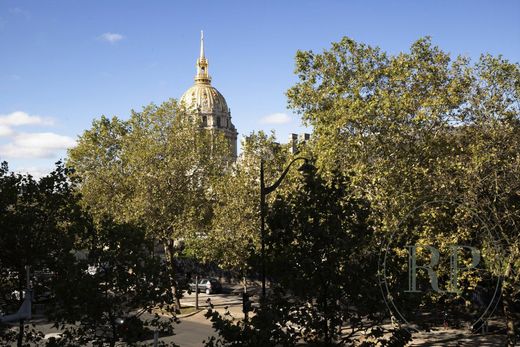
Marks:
<point>64,63</point>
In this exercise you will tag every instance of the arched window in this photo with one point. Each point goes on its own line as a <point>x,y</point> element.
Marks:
<point>204,120</point>
<point>218,122</point>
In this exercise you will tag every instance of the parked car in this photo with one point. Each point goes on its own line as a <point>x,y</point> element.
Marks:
<point>207,285</point>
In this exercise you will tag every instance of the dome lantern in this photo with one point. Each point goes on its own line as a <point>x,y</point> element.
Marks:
<point>202,64</point>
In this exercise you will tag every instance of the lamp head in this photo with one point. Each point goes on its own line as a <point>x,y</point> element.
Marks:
<point>307,167</point>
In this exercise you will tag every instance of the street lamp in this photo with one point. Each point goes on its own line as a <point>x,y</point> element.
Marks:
<point>306,167</point>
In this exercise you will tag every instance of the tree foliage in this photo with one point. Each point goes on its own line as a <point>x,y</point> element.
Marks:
<point>319,243</point>
<point>420,126</point>
<point>233,238</point>
<point>113,293</point>
<point>89,276</point>
<point>155,170</point>
<point>39,221</point>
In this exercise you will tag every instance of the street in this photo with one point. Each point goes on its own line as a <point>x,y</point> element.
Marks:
<point>194,327</point>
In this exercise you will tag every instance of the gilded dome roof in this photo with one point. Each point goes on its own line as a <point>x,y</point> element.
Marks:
<point>206,98</point>
<point>202,96</point>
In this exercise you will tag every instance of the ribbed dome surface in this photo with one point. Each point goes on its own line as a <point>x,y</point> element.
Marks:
<point>204,97</point>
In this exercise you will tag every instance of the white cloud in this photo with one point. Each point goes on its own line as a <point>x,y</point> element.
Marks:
<point>5,131</point>
<point>19,118</point>
<point>36,145</point>
<point>35,172</point>
<point>111,37</point>
<point>276,118</point>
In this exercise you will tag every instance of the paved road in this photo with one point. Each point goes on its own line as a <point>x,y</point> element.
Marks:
<point>193,329</point>
<point>216,299</point>
<point>190,332</point>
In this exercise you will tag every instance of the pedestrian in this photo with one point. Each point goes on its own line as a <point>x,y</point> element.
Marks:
<point>208,303</point>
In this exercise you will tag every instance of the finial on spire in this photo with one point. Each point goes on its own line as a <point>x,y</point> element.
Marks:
<point>202,44</point>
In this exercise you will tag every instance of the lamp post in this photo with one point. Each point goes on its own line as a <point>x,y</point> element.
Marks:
<point>263,192</point>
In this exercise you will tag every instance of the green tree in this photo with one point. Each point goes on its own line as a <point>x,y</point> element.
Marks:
<point>39,221</point>
<point>492,170</point>
<point>156,170</point>
<point>415,127</point>
<point>233,239</point>
<point>115,291</point>
<point>384,118</point>
<point>318,245</point>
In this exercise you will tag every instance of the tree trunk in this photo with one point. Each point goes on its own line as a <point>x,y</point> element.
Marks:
<point>510,320</point>
<point>20,335</point>
<point>170,251</point>
<point>508,298</point>
<point>328,337</point>
<point>21,277</point>
<point>114,333</point>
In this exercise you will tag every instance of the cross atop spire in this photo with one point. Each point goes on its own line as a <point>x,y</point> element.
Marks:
<point>202,64</point>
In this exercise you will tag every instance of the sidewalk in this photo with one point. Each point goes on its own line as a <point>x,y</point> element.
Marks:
<point>457,338</point>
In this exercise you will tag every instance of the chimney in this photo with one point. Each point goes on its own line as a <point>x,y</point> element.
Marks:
<point>293,140</point>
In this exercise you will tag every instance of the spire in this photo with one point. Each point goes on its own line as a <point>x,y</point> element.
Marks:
<point>202,64</point>
<point>202,45</point>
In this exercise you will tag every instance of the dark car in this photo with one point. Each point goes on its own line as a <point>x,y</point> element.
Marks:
<point>207,285</point>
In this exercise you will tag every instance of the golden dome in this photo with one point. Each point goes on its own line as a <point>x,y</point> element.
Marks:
<point>205,98</point>
<point>202,96</point>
